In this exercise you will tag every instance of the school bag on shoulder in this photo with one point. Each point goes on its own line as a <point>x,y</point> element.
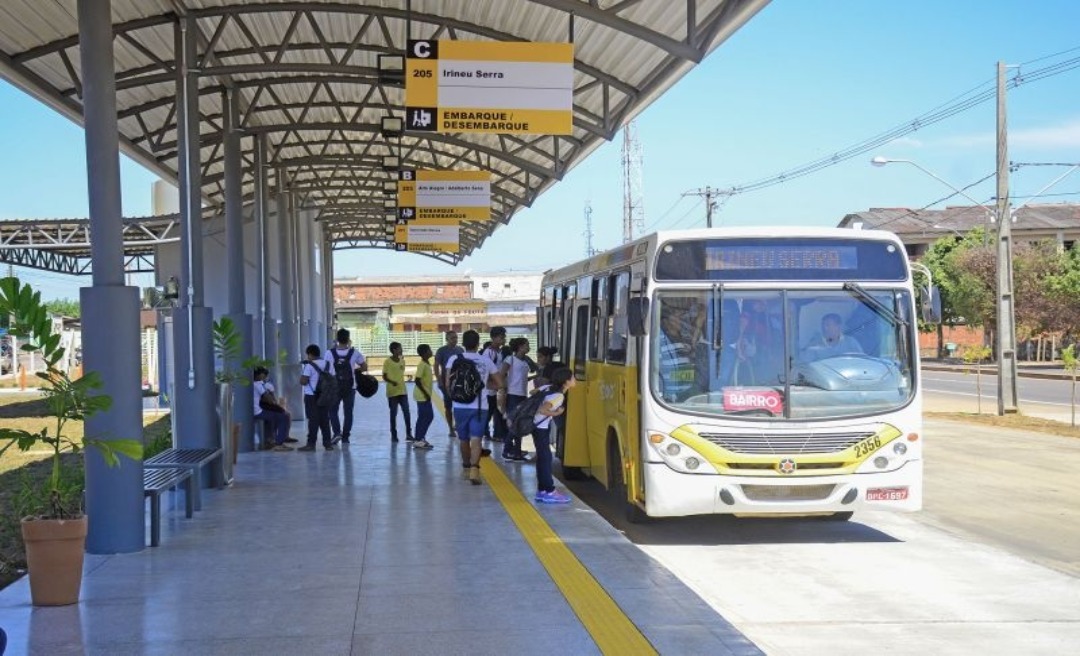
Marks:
<point>366,384</point>
<point>326,390</point>
<point>343,372</point>
<point>521,421</point>
<point>466,384</point>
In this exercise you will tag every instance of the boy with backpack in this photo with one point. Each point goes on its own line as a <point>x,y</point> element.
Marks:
<point>320,394</point>
<point>425,411</point>
<point>393,372</point>
<point>470,376</point>
<point>347,361</point>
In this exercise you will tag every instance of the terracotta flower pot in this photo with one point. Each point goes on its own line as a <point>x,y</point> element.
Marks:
<point>54,558</point>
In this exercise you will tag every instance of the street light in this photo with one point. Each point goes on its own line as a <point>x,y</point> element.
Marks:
<point>882,161</point>
<point>1006,319</point>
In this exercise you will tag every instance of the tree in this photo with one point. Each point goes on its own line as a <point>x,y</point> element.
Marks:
<point>64,307</point>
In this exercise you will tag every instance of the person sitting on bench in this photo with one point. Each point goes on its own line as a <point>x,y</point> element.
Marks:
<point>268,408</point>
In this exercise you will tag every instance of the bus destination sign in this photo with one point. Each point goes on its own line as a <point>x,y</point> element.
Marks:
<point>781,257</point>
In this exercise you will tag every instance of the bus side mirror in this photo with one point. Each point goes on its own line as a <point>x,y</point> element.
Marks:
<point>930,304</point>
<point>637,314</point>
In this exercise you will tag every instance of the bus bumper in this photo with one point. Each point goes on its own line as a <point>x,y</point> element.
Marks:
<point>673,494</point>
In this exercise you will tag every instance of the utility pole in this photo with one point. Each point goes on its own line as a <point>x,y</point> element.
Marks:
<point>1006,317</point>
<point>633,200</point>
<point>589,250</point>
<point>708,193</point>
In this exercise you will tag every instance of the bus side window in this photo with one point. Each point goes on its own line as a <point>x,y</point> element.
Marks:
<point>581,339</point>
<point>598,311</point>
<point>567,313</point>
<point>618,296</point>
<point>555,317</point>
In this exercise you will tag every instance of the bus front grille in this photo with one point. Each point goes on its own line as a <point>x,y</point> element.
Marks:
<point>787,492</point>
<point>785,443</point>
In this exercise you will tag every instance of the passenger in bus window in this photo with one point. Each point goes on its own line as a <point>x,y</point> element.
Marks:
<point>738,358</point>
<point>832,341</point>
<point>677,371</point>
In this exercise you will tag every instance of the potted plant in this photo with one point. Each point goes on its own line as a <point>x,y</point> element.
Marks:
<point>54,525</point>
<point>227,347</point>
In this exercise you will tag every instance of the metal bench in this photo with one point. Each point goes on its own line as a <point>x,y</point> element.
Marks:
<point>156,481</point>
<point>193,459</point>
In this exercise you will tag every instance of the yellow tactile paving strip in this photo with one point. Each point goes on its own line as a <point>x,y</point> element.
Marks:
<point>612,630</point>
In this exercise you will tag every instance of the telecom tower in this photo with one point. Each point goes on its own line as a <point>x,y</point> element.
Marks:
<point>588,234</point>
<point>633,191</point>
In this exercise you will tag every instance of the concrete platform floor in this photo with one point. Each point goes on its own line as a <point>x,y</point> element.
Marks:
<point>370,549</point>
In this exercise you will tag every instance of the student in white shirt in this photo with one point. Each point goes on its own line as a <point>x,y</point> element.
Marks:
<point>562,381</point>
<point>495,415</point>
<point>267,409</point>
<point>318,417</point>
<point>344,355</point>
<point>515,369</point>
<point>469,418</point>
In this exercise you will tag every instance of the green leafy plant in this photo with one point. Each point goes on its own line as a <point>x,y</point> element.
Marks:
<point>975,355</point>
<point>67,400</point>
<point>1072,363</point>
<point>227,346</point>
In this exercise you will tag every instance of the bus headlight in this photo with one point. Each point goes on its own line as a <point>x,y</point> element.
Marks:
<point>899,448</point>
<point>675,454</point>
<point>881,462</point>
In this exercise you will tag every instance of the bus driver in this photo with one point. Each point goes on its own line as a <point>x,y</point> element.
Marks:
<point>832,341</point>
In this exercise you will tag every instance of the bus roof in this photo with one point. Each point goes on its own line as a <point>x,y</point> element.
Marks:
<point>647,244</point>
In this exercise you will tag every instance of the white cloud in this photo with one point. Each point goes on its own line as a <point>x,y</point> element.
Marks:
<point>1063,135</point>
<point>907,141</point>
<point>1066,135</point>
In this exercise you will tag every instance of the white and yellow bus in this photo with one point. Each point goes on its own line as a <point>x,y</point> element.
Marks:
<point>743,371</point>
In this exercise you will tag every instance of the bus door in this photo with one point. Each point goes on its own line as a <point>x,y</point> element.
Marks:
<point>628,357</point>
<point>575,330</point>
<point>599,391</point>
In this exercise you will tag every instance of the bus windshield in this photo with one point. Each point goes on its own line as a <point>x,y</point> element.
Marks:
<point>783,354</point>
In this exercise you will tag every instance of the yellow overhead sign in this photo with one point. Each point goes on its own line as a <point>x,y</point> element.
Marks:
<point>505,87</point>
<point>439,238</point>
<point>444,197</point>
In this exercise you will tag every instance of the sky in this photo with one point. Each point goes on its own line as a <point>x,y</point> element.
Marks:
<point>804,79</point>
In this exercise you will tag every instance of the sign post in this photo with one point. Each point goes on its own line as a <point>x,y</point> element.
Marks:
<point>489,86</point>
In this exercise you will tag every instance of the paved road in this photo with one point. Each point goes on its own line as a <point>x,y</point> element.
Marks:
<point>1031,390</point>
<point>1037,397</point>
<point>991,566</point>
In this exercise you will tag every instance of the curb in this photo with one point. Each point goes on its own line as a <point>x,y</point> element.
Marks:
<point>1041,375</point>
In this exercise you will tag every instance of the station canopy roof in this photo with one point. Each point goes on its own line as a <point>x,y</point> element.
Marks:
<point>307,78</point>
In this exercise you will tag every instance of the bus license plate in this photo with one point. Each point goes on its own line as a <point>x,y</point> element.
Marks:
<point>886,494</point>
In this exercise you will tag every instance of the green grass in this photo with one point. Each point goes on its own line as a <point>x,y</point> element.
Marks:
<point>18,469</point>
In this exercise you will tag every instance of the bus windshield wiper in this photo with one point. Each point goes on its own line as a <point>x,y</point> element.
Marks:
<point>859,292</point>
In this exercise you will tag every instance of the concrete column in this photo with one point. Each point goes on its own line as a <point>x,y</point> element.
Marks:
<point>264,322</point>
<point>243,402</point>
<point>114,497</point>
<point>195,396</point>
<point>288,337</point>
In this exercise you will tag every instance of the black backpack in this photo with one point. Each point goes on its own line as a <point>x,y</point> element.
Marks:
<point>343,372</point>
<point>366,384</point>
<point>466,384</point>
<point>326,390</point>
<point>521,421</point>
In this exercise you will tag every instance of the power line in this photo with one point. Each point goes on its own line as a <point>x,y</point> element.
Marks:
<point>976,96</point>
<point>649,228</point>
